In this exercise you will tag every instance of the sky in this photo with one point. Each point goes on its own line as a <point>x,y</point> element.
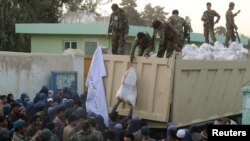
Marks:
<point>195,8</point>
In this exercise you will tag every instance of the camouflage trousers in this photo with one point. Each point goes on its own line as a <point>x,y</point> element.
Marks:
<point>118,43</point>
<point>230,35</point>
<point>208,30</point>
<point>163,47</point>
<point>181,40</point>
<point>187,36</point>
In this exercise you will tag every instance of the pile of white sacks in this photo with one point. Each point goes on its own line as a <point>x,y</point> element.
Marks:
<point>235,51</point>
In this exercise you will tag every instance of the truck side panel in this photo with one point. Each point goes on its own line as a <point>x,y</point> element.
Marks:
<point>205,90</point>
<point>153,85</point>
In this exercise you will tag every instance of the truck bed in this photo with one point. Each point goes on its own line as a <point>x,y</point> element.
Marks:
<point>181,91</point>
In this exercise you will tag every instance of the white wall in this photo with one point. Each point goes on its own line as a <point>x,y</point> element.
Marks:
<point>25,72</point>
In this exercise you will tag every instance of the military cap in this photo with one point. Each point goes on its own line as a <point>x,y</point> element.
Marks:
<point>6,109</point>
<point>80,112</point>
<point>145,130</point>
<point>46,134</point>
<point>19,124</point>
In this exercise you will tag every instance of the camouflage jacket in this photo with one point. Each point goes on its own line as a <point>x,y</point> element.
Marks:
<point>149,139</point>
<point>208,17</point>
<point>167,33</point>
<point>178,23</point>
<point>19,137</point>
<point>97,135</point>
<point>118,22</point>
<point>145,44</point>
<point>81,136</point>
<point>230,19</point>
<point>31,130</point>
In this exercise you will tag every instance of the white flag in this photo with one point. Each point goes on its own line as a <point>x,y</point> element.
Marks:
<point>96,98</point>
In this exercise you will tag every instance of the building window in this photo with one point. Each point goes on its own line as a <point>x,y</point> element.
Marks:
<point>90,48</point>
<point>70,44</point>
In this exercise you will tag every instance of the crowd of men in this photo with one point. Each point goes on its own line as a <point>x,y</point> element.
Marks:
<point>172,32</point>
<point>63,117</point>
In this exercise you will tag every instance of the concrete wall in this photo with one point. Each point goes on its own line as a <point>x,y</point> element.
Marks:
<point>23,72</point>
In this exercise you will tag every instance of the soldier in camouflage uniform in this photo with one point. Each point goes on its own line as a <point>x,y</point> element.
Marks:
<point>35,125</point>
<point>94,132</point>
<point>118,26</point>
<point>230,25</point>
<point>143,42</point>
<point>20,130</point>
<point>188,30</point>
<point>84,134</point>
<point>208,18</point>
<point>168,38</point>
<point>179,24</point>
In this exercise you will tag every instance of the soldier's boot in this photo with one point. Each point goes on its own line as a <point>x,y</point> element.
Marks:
<point>168,55</point>
<point>226,43</point>
<point>114,51</point>
<point>161,52</point>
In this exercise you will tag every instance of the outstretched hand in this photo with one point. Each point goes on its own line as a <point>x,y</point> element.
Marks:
<point>129,104</point>
<point>131,61</point>
<point>146,56</point>
<point>238,11</point>
<point>119,99</point>
<point>236,28</point>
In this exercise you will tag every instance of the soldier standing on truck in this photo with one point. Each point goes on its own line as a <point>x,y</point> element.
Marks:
<point>168,38</point>
<point>143,44</point>
<point>118,27</point>
<point>230,25</point>
<point>188,30</point>
<point>208,18</point>
<point>179,24</point>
